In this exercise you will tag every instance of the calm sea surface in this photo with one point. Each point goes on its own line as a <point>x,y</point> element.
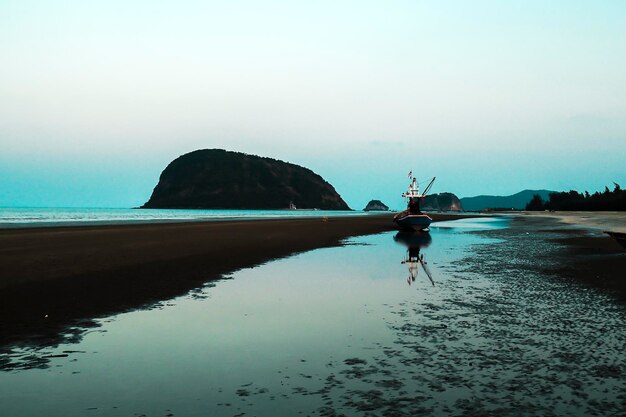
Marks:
<point>30,217</point>
<point>348,331</point>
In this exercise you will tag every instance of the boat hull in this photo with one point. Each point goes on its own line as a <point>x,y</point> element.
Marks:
<point>413,221</point>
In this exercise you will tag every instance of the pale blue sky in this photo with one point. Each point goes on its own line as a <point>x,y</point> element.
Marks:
<point>492,97</point>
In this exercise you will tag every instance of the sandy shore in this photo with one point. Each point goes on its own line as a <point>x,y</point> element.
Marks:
<point>52,277</point>
<point>591,249</point>
<point>612,221</point>
<point>580,250</point>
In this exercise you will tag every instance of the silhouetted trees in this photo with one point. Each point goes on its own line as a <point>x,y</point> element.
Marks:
<point>573,201</point>
<point>536,204</point>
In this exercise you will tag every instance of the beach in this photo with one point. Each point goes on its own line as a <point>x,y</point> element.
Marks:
<point>517,320</point>
<point>331,209</point>
<point>53,277</point>
<point>574,247</point>
<point>612,221</point>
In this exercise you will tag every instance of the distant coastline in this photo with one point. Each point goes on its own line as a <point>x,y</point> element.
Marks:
<point>59,216</point>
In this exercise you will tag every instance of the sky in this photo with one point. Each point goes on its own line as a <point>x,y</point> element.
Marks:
<point>491,97</point>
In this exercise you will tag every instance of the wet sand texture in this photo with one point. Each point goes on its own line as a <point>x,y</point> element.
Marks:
<point>613,221</point>
<point>559,249</point>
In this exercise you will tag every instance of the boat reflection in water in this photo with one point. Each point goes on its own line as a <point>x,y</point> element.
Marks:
<point>415,241</point>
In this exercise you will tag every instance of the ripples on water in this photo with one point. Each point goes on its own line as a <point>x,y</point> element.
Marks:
<point>347,331</point>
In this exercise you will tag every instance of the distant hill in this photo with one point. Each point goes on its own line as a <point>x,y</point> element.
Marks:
<point>376,205</point>
<point>219,179</point>
<point>516,201</point>
<point>441,201</point>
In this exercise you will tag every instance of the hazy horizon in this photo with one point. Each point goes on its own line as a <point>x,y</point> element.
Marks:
<point>490,97</point>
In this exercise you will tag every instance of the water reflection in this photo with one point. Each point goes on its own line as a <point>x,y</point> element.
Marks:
<point>330,332</point>
<point>415,241</point>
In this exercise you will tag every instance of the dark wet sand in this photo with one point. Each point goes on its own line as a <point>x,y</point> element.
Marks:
<point>595,259</point>
<point>51,278</point>
<point>577,252</point>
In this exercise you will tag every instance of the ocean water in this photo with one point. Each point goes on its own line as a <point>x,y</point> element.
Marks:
<point>31,217</point>
<point>348,331</point>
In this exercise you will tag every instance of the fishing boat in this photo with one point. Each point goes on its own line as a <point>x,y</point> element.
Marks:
<point>412,218</point>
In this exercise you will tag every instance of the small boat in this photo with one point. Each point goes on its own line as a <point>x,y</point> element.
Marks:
<point>412,218</point>
<point>619,237</point>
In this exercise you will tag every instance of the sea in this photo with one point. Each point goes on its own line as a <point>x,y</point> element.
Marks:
<point>39,217</point>
<point>361,329</point>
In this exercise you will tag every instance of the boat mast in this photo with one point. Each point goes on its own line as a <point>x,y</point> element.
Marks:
<point>413,196</point>
<point>413,192</point>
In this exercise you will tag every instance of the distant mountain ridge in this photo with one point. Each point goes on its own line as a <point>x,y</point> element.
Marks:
<point>220,179</point>
<point>516,201</point>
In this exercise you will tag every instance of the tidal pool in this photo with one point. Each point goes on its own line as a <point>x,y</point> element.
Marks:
<point>351,330</point>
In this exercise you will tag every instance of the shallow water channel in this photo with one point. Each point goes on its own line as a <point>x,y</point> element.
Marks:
<point>348,331</point>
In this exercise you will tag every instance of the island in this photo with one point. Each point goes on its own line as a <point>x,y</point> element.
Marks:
<point>376,205</point>
<point>220,179</point>
<point>442,202</point>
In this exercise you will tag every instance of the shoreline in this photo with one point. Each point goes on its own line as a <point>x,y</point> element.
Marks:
<point>55,281</point>
<point>612,221</point>
<point>590,254</point>
<point>34,217</point>
<point>52,278</point>
<point>575,251</point>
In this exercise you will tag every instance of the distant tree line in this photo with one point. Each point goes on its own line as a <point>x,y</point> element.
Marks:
<point>574,201</point>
